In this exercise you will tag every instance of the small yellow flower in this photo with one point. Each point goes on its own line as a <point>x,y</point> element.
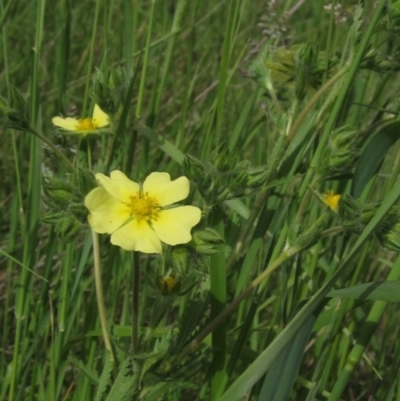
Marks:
<point>168,282</point>
<point>83,125</point>
<point>332,200</point>
<point>136,215</point>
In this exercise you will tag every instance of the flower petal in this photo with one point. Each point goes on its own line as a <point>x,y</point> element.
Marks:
<point>173,225</point>
<point>69,124</point>
<point>167,192</point>
<point>137,235</point>
<point>99,117</point>
<point>107,214</point>
<point>118,185</point>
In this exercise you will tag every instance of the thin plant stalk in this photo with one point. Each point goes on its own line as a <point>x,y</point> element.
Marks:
<point>135,305</point>
<point>100,297</point>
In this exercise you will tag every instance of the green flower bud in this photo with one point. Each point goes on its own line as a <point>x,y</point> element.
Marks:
<point>58,191</point>
<point>108,89</point>
<point>79,211</point>
<point>206,242</point>
<point>68,227</point>
<point>390,239</point>
<point>179,258</point>
<point>52,217</point>
<point>84,180</point>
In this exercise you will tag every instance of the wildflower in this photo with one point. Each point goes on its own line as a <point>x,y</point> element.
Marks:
<point>136,215</point>
<point>83,125</point>
<point>168,282</point>
<point>332,200</point>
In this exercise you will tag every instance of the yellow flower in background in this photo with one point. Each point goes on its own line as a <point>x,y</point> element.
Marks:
<point>136,215</point>
<point>332,200</point>
<point>83,125</point>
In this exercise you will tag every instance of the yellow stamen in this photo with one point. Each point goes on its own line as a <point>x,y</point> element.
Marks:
<point>86,124</point>
<point>144,207</point>
<point>332,200</point>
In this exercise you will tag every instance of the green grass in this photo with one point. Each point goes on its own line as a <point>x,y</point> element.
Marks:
<point>265,107</point>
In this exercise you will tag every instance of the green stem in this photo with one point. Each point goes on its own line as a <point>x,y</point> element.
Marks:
<point>317,96</point>
<point>99,295</point>
<point>135,304</point>
<point>137,366</point>
<point>93,42</point>
<point>52,147</point>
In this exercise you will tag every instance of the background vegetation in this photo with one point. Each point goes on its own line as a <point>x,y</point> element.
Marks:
<point>266,107</point>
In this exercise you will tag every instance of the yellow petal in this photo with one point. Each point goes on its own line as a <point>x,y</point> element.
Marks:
<point>173,225</point>
<point>137,236</point>
<point>167,192</point>
<point>118,185</point>
<point>100,118</point>
<point>107,214</point>
<point>69,124</point>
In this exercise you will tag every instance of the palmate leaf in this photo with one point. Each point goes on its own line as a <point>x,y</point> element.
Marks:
<point>89,373</point>
<point>105,379</point>
<point>125,384</point>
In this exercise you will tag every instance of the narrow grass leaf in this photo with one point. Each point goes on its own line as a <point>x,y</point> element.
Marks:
<point>281,377</point>
<point>373,155</point>
<point>375,291</point>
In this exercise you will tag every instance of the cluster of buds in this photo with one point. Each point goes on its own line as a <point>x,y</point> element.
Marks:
<point>341,153</point>
<point>64,199</point>
<point>374,60</point>
<point>109,89</point>
<point>224,177</point>
<point>354,217</point>
<point>293,71</point>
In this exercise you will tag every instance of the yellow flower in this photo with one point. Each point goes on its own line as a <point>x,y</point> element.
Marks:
<point>136,215</point>
<point>332,200</point>
<point>83,125</point>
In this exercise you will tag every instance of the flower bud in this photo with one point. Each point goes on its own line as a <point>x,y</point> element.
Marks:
<point>84,180</point>
<point>58,191</point>
<point>390,237</point>
<point>206,242</point>
<point>108,89</point>
<point>68,227</point>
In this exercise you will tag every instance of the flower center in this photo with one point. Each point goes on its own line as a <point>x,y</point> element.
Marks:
<point>86,124</point>
<point>144,207</point>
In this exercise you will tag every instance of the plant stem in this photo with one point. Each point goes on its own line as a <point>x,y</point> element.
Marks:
<point>52,147</point>
<point>99,295</point>
<point>137,366</point>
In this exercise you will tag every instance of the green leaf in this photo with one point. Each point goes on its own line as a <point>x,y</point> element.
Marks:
<point>375,291</point>
<point>89,373</point>
<point>281,377</point>
<point>105,379</point>
<point>125,384</point>
<point>373,155</point>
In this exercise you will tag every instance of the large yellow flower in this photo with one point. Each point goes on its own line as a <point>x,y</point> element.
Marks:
<point>136,215</point>
<point>83,125</point>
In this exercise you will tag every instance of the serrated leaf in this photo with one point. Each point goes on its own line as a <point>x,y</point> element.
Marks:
<point>124,386</point>
<point>105,379</point>
<point>89,373</point>
<point>375,291</point>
